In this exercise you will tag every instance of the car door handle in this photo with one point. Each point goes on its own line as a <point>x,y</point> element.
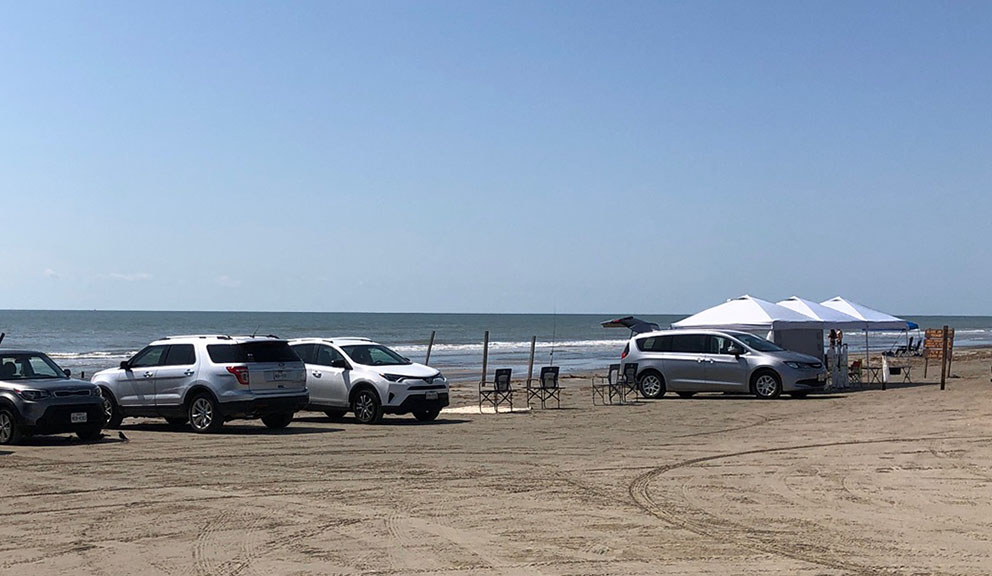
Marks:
<point>699,360</point>
<point>148,374</point>
<point>188,373</point>
<point>316,374</point>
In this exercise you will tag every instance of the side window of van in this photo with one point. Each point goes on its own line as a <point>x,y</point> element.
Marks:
<point>719,344</point>
<point>689,343</point>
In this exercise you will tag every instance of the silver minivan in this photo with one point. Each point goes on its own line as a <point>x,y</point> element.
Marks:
<point>690,361</point>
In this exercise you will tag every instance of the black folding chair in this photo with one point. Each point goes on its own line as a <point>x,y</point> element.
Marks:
<point>628,381</point>
<point>497,392</point>
<point>608,388</point>
<point>547,387</point>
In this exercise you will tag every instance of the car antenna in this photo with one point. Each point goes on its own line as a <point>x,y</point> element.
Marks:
<point>256,331</point>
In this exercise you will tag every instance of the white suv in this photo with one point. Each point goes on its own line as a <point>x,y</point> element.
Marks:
<point>369,379</point>
<point>207,380</point>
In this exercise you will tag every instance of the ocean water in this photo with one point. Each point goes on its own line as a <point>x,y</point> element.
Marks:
<point>86,341</point>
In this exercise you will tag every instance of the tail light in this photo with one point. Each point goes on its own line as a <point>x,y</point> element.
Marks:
<point>626,350</point>
<point>240,372</point>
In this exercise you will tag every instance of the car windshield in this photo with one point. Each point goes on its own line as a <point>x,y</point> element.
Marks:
<point>28,366</point>
<point>759,344</point>
<point>374,355</point>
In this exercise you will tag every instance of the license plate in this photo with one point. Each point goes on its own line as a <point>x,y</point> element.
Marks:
<point>431,395</point>
<point>77,417</point>
<point>277,376</point>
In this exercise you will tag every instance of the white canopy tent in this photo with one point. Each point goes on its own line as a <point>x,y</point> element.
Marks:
<point>749,314</point>
<point>869,318</point>
<point>829,317</point>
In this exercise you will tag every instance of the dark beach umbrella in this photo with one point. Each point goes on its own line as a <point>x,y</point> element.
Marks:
<point>636,325</point>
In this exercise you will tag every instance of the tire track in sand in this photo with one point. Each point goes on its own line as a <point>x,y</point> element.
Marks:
<point>701,522</point>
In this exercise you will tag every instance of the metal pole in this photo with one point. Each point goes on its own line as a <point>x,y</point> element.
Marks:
<point>530,365</point>
<point>867,355</point>
<point>427,360</point>
<point>485,356</point>
<point>943,361</point>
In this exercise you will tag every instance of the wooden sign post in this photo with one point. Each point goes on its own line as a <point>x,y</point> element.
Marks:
<point>939,345</point>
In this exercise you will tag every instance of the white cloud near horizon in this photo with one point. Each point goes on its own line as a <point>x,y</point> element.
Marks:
<point>130,276</point>
<point>228,282</point>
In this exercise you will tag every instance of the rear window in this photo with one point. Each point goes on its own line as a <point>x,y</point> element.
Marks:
<point>251,352</point>
<point>655,344</point>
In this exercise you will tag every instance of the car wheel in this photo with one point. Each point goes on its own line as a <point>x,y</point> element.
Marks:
<point>111,411</point>
<point>204,414</point>
<point>651,384</point>
<point>277,421</point>
<point>686,394</point>
<point>10,431</point>
<point>426,415</point>
<point>177,422</point>
<point>766,384</point>
<point>366,406</point>
<point>90,433</point>
<point>335,415</point>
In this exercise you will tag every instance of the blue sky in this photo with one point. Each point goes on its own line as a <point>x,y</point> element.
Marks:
<point>458,156</point>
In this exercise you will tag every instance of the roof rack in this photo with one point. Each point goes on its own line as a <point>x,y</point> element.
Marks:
<point>200,336</point>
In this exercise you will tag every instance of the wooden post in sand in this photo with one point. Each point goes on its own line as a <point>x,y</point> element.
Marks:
<point>427,360</point>
<point>943,361</point>
<point>485,356</point>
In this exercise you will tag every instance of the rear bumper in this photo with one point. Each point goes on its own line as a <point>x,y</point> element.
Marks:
<point>418,402</point>
<point>263,406</point>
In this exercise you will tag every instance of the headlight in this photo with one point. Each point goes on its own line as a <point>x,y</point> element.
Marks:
<point>440,376</point>
<point>392,377</point>
<point>795,365</point>
<point>34,395</point>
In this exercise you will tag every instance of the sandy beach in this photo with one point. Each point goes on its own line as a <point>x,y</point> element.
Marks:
<point>856,482</point>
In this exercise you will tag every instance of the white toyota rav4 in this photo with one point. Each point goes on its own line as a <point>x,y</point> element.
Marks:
<point>369,379</point>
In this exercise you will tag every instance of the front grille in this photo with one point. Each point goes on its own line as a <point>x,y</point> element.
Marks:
<point>69,393</point>
<point>809,382</point>
<point>428,387</point>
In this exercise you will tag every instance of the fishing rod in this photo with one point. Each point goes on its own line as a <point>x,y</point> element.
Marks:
<point>554,334</point>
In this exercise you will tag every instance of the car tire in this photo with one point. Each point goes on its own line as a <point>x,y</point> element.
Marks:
<point>177,422</point>
<point>367,407</point>
<point>10,430</point>
<point>111,410</point>
<point>204,414</point>
<point>766,385</point>
<point>277,421</point>
<point>651,384</point>
<point>427,415</point>
<point>90,433</point>
<point>335,415</point>
<point>686,394</point>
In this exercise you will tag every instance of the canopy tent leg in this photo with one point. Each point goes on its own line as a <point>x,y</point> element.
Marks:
<point>867,353</point>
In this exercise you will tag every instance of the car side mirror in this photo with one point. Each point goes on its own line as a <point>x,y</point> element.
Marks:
<point>735,350</point>
<point>125,365</point>
<point>339,363</point>
<point>67,372</point>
